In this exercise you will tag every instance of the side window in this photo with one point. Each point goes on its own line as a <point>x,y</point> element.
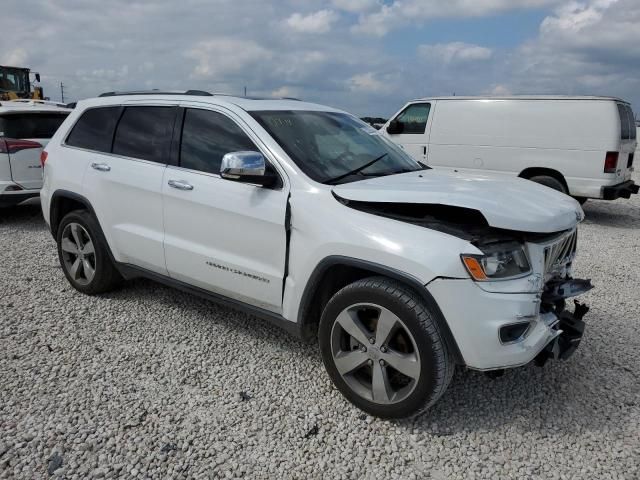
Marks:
<point>625,128</point>
<point>145,133</point>
<point>206,137</point>
<point>414,118</point>
<point>94,129</point>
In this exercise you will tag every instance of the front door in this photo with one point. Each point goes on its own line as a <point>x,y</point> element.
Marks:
<point>413,137</point>
<point>222,236</point>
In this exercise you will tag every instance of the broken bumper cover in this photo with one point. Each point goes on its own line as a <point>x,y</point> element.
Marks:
<point>622,190</point>
<point>570,328</point>
<point>475,318</point>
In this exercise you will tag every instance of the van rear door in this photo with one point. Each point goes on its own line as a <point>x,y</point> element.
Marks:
<point>23,135</point>
<point>627,142</point>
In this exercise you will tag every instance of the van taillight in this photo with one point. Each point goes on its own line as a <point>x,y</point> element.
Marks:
<point>610,162</point>
<point>11,145</point>
<point>43,157</point>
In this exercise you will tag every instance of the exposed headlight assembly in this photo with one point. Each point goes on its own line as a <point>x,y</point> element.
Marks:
<point>501,261</point>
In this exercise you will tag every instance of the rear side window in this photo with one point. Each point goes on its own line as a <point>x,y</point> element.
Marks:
<point>414,118</point>
<point>632,123</point>
<point>625,121</point>
<point>206,137</point>
<point>31,125</point>
<point>145,133</point>
<point>94,129</point>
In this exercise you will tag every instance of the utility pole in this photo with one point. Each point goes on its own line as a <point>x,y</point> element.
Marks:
<point>245,90</point>
<point>62,91</point>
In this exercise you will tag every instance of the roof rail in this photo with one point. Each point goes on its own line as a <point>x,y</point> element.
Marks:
<point>198,93</point>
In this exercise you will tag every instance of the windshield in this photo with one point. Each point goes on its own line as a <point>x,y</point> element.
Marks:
<point>14,80</point>
<point>334,147</point>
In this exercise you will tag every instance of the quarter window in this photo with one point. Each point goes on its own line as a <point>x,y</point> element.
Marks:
<point>94,129</point>
<point>145,133</point>
<point>206,137</point>
<point>31,125</point>
<point>414,118</point>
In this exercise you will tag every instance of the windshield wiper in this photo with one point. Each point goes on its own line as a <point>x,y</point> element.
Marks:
<point>353,172</point>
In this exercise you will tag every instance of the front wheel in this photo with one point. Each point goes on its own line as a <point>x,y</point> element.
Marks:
<point>383,349</point>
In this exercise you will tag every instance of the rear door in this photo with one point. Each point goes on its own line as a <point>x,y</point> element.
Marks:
<point>124,181</point>
<point>414,137</point>
<point>223,236</point>
<point>24,136</point>
<point>627,143</point>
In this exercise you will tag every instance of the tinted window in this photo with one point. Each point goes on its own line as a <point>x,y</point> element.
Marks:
<point>632,124</point>
<point>625,127</point>
<point>94,129</point>
<point>414,118</point>
<point>206,137</point>
<point>145,133</point>
<point>31,125</point>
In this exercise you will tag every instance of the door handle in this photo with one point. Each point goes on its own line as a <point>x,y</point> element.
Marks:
<point>180,185</point>
<point>101,167</point>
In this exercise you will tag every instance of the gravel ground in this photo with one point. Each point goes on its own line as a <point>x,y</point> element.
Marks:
<point>148,382</point>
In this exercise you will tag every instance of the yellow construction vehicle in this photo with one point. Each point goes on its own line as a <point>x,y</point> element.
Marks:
<point>15,83</point>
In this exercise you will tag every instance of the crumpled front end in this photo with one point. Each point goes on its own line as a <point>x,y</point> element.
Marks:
<point>508,323</point>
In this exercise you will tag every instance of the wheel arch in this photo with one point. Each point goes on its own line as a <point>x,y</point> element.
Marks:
<point>63,202</point>
<point>335,272</point>
<point>530,172</point>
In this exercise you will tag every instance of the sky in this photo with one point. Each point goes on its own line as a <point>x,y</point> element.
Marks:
<point>365,56</point>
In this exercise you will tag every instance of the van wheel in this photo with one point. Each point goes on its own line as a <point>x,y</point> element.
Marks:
<point>382,348</point>
<point>549,182</point>
<point>84,255</point>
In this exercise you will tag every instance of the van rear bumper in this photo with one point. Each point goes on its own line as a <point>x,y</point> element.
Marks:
<point>621,190</point>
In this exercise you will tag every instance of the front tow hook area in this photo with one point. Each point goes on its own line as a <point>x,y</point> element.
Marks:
<point>571,326</point>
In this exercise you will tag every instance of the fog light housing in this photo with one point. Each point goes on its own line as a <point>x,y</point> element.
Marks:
<point>513,332</point>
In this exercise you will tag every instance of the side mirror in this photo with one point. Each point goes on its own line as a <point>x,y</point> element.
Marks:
<point>247,167</point>
<point>395,127</point>
<point>37,77</point>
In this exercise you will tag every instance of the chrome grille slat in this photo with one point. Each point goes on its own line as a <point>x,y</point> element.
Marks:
<point>560,252</point>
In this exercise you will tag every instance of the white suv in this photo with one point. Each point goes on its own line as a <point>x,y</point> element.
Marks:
<point>307,217</point>
<point>25,129</point>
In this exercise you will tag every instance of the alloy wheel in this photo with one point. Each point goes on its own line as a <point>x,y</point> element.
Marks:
<point>78,253</point>
<point>375,353</point>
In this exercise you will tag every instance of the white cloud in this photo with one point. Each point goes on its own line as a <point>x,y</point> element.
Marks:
<point>393,15</point>
<point>317,22</point>
<point>455,52</point>
<point>222,56</point>
<point>355,6</point>
<point>16,57</point>
<point>367,82</point>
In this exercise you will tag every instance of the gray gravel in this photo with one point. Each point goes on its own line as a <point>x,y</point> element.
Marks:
<point>148,382</point>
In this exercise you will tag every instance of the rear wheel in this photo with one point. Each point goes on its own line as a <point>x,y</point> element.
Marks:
<point>84,254</point>
<point>549,182</point>
<point>382,348</point>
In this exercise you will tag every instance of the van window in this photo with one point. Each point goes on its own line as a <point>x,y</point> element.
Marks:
<point>145,133</point>
<point>206,137</point>
<point>632,123</point>
<point>625,122</point>
<point>94,129</point>
<point>31,125</point>
<point>414,118</point>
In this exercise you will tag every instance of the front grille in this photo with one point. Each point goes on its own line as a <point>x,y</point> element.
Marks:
<point>561,253</point>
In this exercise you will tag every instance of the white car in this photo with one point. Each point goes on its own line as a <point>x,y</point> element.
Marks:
<point>25,129</point>
<point>307,217</point>
<point>582,146</point>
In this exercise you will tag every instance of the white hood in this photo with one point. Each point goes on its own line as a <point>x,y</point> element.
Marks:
<point>508,203</point>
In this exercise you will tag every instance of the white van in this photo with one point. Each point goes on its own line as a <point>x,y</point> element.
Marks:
<point>583,146</point>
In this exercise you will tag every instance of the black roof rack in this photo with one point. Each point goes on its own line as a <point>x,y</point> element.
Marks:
<point>197,93</point>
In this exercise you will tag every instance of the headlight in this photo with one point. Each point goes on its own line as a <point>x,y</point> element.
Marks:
<point>499,262</point>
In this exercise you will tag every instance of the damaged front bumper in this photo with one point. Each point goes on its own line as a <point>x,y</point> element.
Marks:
<point>477,323</point>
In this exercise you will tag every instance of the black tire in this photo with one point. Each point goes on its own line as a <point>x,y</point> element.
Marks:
<point>549,182</point>
<point>106,276</point>
<point>435,360</point>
